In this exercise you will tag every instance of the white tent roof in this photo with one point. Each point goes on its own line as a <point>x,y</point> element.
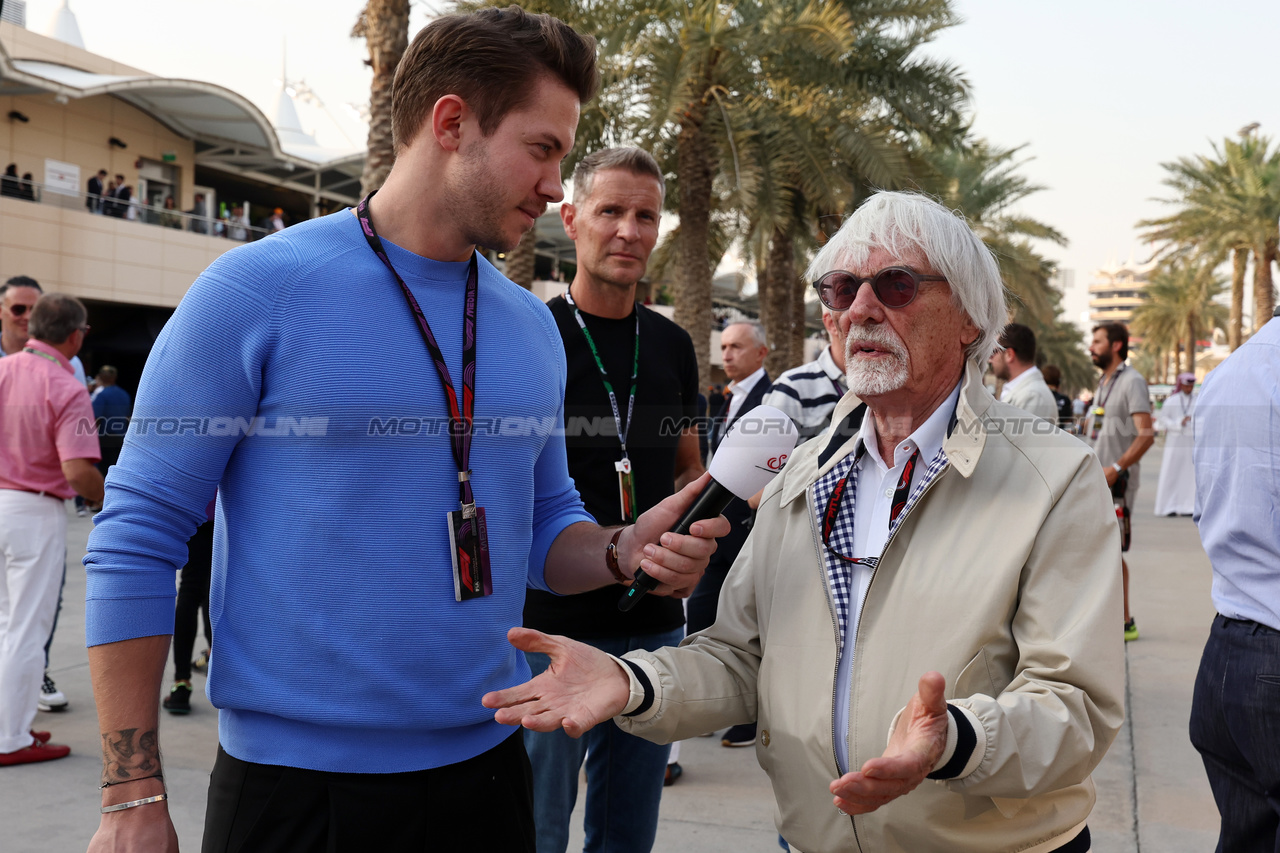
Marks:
<point>192,108</point>
<point>229,131</point>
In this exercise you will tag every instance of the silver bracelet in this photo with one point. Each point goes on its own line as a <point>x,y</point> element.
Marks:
<point>133,804</point>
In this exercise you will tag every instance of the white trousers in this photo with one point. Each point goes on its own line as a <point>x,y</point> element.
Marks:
<point>33,546</point>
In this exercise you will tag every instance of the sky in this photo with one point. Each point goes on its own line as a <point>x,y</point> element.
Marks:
<point>1100,91</point>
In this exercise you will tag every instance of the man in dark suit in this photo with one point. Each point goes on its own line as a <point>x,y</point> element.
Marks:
<point>743,347</point>
<point>94,199</point>
<point>117,201</point>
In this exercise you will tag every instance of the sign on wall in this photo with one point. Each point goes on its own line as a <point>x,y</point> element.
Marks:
<point>61,178</point>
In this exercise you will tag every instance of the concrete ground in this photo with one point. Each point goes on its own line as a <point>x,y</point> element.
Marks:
<point>1152,791</point>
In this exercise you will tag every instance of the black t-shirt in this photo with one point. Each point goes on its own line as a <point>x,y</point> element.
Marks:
<point>1064,407</point>
<point>666,397</point>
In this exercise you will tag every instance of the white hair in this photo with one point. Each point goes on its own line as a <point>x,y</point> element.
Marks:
<point>758,336</point>
<point>905,224</point>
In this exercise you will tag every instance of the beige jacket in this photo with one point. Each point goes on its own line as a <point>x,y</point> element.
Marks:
<point>1004,577</point>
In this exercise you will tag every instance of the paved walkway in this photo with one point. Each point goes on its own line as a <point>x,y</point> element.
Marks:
<point>1152,792</point>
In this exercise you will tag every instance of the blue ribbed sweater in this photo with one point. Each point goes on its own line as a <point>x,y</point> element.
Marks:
<point>339,645</point>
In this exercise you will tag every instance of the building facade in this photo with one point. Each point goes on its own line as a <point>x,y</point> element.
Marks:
<point>1117,290</point>
<point>66,113</point>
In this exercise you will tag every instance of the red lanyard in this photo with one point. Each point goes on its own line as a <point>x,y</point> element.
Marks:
<point>461,418</point>
<point>900,494</point>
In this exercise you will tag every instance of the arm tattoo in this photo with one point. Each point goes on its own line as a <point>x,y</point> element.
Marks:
<point>126,754</point>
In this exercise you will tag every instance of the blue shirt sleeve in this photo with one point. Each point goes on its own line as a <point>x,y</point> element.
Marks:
<point>556,503</point>
<point>207,362</point>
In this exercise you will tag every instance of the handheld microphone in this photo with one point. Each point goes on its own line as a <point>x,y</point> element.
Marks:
<point>753,452</point>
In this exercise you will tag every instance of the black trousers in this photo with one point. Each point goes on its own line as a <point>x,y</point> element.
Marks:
<point>193,597</point>
<point>482,804</point>
<point>1235,725</point>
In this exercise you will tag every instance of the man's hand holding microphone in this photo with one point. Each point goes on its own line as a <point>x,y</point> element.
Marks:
<point>584,686</point>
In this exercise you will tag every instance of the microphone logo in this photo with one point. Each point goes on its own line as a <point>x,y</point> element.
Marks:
<point>774,465</point>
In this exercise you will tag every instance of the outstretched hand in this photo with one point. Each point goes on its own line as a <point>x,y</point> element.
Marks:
<point>917,743</point>
<point>582,688</point>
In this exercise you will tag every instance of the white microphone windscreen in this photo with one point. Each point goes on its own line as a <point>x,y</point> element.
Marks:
<point>754,451</point>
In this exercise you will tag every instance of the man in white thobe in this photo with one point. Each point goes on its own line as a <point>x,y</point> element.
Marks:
<point>1176,494</point>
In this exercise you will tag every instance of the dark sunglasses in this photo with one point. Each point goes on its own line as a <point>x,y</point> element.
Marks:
<point>895,287</point>
<point>19,310</point>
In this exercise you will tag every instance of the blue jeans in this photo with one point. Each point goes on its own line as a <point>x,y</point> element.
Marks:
<point>1235,725</point>
<point>624,773</point>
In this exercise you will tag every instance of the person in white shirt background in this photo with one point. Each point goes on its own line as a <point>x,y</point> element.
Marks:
<point>1176,494</point>
<point>1015,364</point>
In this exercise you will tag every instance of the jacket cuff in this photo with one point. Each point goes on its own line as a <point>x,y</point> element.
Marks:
<point>966,744</point>
<point>645,689</point>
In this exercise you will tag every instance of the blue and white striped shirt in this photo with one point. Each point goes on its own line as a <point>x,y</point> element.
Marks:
<point>808,394</point>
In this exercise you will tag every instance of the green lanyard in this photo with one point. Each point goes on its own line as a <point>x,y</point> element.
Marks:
<point>43,355</point>
<point>604,374</point>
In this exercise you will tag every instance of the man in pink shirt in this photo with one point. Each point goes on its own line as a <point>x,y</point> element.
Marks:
<point>48,447</point>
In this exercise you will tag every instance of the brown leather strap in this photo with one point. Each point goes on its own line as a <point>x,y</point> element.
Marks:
<point>611,558</point>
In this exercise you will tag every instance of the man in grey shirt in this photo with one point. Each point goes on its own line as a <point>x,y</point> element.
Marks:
<point>1118,427</point>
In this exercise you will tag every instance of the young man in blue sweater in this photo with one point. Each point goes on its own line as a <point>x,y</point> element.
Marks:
<point>388,530</point>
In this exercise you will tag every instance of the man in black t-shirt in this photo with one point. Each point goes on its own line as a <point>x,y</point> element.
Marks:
<point>630,401</point>
<point>1053,378</point>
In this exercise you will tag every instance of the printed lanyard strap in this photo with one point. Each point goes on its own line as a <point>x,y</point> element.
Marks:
<point>43,355</point>
<point>604,374</point>
<point>1110,387</point>
<point>900,494</point>
<point>461,417</point>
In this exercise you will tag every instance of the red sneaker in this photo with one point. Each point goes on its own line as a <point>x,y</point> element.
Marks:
<point>36,752</point>
<point>41,737</point>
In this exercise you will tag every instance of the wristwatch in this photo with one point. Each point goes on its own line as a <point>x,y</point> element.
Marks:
<point>1116,465</point>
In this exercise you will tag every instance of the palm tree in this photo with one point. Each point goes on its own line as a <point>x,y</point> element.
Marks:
<point>983,182</point>
<point>1159,322</point>
<point>691,68</point>
<point>1180,305</point>
<point>827,131</point>
<point>520,261</point>
<point>824,137</point>
<point>1230,204</point>
<point>1059,343</point>
<point>384,25</point>
<point>696,82</point>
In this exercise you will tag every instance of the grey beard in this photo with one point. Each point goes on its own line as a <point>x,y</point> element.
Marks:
<point>870,379</point>
<point>881,377</point>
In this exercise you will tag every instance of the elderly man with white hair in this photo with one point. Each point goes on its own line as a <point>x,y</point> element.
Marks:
<point>929,530</point>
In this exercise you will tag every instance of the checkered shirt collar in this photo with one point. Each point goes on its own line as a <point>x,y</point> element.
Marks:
<point>840,572</point>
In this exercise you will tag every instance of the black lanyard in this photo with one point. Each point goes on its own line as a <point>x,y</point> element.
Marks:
<point>604,374</point>
<point>461,418</point>
<point>1110,387</point>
